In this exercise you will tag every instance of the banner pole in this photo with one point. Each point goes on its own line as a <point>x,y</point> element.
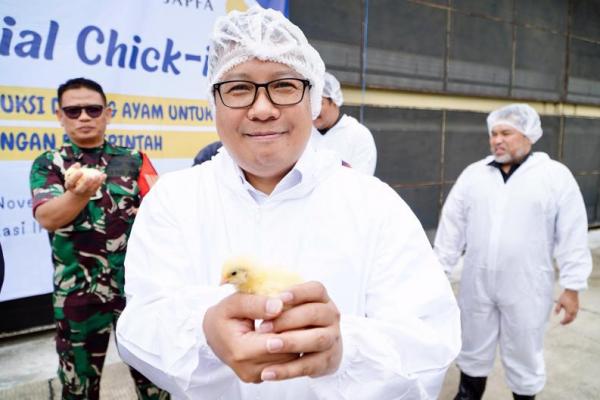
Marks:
<point>363,61</point>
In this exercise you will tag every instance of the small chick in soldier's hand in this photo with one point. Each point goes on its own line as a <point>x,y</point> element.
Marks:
<point>247,277</point>
<point>87,174</point>
<point>86,171</point>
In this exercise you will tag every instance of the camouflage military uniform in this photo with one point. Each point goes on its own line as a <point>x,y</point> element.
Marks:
<point>88,257</point>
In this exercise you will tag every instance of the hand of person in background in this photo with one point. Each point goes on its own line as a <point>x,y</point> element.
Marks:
<point>81,184</point>
<point>569,300</point>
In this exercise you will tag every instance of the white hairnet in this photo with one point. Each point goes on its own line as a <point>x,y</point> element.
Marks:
<point>522,117</point>
<point>266,35</point>
<point>332,89</point>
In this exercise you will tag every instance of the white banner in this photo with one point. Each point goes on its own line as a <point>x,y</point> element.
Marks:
<point>150,56</point>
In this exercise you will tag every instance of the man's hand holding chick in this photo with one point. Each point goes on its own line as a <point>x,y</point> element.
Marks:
<point>229,330</point>
<point>303,340</point>
<point>309,328</point>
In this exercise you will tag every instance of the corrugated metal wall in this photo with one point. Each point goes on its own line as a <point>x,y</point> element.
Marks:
<point>513,50</point>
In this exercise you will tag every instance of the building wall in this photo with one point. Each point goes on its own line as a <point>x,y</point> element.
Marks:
<point>434,69</point>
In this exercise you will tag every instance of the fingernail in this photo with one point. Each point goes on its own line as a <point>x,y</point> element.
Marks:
<point>265,327</point>
<point>274,344</point>
<point>286,296</point>
<point>274,306</point>
<point>268,376</point>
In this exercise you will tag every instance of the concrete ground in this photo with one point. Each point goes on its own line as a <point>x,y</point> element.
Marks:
<point>28,363</point>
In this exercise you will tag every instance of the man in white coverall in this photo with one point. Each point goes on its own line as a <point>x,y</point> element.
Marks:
<point>513,211</point>
<point>342,133</point>
<point>376,318</point>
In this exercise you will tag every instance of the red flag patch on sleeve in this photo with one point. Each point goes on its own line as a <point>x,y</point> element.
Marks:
<point>148,175</point>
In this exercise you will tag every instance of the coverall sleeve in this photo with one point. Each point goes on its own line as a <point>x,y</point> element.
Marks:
<point>450,238</point>
<point>159,332</point>
<point>365,153</point>
<point>410,334</point>
<point>571,248</point>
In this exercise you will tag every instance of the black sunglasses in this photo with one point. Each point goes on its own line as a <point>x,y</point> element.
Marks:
<point>73,112</point>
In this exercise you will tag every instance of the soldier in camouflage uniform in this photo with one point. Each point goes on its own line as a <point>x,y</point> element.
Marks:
<point>89,219</point>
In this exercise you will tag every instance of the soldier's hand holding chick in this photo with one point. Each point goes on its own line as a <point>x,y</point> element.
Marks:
<point>83,181</point>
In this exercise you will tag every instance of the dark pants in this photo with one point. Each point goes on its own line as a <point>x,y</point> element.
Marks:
<point>82,335</point>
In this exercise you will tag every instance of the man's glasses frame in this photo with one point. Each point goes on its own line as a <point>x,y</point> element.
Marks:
<point>92,110</point>
<point>266,85</point>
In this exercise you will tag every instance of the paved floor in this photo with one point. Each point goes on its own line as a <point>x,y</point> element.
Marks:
<point>28,364</point>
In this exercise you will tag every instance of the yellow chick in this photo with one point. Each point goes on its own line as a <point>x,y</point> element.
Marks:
<point>251,279</point>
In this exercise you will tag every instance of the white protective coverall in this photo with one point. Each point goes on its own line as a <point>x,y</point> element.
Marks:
<point>352,141</point>
<point>511,232</point>
<point>399,319</point>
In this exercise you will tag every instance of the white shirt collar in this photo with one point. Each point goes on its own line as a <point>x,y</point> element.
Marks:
<point>291,179</point>
<point>303,172</point>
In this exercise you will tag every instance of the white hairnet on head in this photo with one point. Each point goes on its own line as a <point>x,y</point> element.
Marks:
<point>266,35</point>
<point>332,89</point>
<point>522,117</point>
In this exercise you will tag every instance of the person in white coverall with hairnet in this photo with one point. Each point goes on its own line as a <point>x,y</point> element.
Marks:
<point>342,133</point>
<point>375,317</point>
<point>512,214</point>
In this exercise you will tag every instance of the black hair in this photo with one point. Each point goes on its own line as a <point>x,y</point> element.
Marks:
<point>77,83</point>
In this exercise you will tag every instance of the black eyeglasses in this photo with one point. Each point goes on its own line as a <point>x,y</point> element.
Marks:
<point>73,112</point>
<point>242,94</point>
